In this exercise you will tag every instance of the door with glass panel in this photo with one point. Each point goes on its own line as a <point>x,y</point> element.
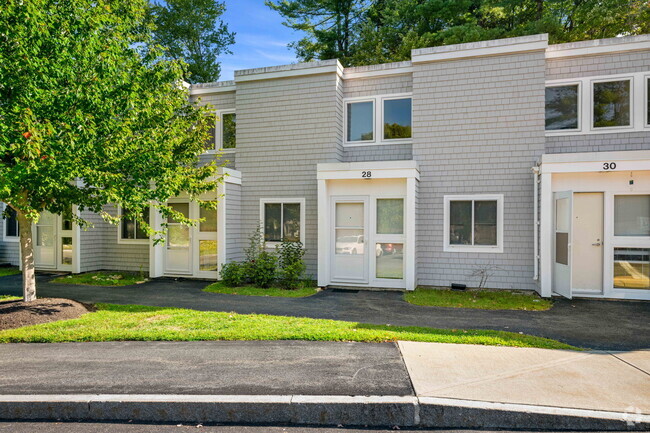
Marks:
<point>65,243</point>
<point>205,242</point>
<point>350,249</point>
<point>178,251</point>
<point>45,241</point>
<point>388,241</point>
<point>562,225</point>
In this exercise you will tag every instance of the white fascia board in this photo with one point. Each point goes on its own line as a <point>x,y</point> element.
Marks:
<point>590,48</point>
<point>231,175</point>
<point>216,89</point>
<point>380,170</point>
<point>595,162</point>
<point>624,155</point>
<point>482,49</point>
<point>292,73</point>
<point>406,70</point>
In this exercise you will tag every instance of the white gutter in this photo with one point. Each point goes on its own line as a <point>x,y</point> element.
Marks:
<point>536,220</point>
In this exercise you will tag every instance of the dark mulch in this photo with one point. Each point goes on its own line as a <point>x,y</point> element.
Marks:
<point>14,314</point>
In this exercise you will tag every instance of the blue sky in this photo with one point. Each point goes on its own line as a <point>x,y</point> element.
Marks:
<point>261,39</point>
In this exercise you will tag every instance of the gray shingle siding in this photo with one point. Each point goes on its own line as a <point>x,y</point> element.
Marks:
<point>234,239</point>
<point>478,129</point>
<point>378,86</point>
<point>598,142</point>
<point>284,128</point>
<point>388,152</point>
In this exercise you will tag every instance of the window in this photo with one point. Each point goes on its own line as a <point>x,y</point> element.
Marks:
<point>228,130</point>
<point>611,104</point>
<point>474,223</point>
<point>647,102</point>
<point>11,231</point>
<point>130,229</point>
<point>562,112</point>
<point>397,118</point>
<point>632,268</point>
<point>360,121</point>
<point>632,215</point>
<point>283,219</point>
<point>209,144</point>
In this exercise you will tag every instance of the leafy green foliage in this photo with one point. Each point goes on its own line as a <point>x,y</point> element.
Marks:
<point>264,270</point>
<point>193,31</point>
<point>233,274</point>
<point>291,264</point>
<point>141,323</point>
<point>222,287</point>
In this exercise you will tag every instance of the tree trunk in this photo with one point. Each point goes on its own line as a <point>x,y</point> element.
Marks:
<point>27,257</point>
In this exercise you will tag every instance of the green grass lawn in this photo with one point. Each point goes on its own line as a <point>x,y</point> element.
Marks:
<point>102,279</point>
<point>483,299</point>
<point>135,322</point>
<point>6,298</point>
<point>9,271</point>
<point>258,291</point>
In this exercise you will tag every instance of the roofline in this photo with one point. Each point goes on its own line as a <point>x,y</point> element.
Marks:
<point>291,70</point>
<point>599,46</point>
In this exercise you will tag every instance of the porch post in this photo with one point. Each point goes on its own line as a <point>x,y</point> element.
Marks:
<point>546,235</point>
<point>155,251</point>
<point>323,234</point>
<point>409,256</point>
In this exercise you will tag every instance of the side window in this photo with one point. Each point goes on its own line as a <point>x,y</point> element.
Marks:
<point>228,130</point>
<point>131,229</point>
<point>282,220</point>
<point>11,223</point>
<point>562,107</point>
<point>474,223</point>
<point>360,121</point>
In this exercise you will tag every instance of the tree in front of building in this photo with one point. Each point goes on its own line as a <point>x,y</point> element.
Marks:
<point>92,113</point>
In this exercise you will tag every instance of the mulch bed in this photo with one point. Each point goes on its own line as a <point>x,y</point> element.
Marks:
<point>14,314</point>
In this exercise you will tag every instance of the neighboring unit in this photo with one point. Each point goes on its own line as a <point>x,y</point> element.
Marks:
<point>525,161</point>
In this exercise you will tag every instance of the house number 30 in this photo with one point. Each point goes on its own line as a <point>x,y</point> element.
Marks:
<point>609,166</point>
<point>366,174</point>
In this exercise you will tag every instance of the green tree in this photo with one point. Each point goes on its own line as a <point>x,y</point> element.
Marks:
<point>329,24</point>
<point>192,30</point>
<point>91,113</point>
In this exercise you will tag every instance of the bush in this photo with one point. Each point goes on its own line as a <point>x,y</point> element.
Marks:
<point>233,274</point>
<point>292,265</point>
<point>263,271</point>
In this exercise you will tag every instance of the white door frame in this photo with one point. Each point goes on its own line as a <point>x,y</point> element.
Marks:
<point>75,267</point>
<point>366,244</point>
<point>562,273</point>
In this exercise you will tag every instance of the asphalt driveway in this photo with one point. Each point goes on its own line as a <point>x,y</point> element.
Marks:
<point>595,324</point>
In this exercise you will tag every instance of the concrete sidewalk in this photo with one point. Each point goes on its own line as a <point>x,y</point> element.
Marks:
<point>327,383</point>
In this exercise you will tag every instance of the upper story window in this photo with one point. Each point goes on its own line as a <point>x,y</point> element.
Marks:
<point>473,223</point>
<point>562,107</point>
<point>132,230</point>
<point>223,135</point>
<point>611,103</point>
<point>361,121</point>
<point>283,219</point>
<point>397,118</point>
<point>378,120</point>
<point>11,231</point>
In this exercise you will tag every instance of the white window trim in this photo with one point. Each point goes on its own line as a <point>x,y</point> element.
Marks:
<point>579,102</point>
<point>591,104</point>
<point>646,103</point>
<point>498,248</point>
<point>6,238</point>
<point>218,133</point>
<point>301,201</point>
<point>122,241</point>
<point>377,120</point>
<point>638,110</point>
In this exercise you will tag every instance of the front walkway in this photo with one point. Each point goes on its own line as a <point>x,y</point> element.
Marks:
<point>594,324</point>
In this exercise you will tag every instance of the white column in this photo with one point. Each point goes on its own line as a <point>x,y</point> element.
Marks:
<point>76,244</point>
<point>409,255</point>
<point>323,234</point>
<point>221,225</point>
<point>156,258</point>
<point>546,235</point>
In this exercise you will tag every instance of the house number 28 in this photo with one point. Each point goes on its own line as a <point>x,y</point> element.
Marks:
<point>366,174</point>
<point>609,166</point>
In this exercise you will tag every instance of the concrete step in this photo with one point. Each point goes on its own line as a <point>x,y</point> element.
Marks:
<point>371,411</point>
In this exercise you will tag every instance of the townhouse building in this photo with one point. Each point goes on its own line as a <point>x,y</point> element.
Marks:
<point>524,163</point>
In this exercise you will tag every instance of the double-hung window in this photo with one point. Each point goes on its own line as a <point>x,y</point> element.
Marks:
<point>130,229</point>
<point>11,232</point>
<point>378,120</point>
<point>283,220</point>
<point>473,223</point>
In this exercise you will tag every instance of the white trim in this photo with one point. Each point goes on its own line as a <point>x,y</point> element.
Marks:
<point>596,47</point>
<point>6,238</point>
<point>355,75</point>
<point>215,89</point>
<point>290,200</point>
<point>379,169</point>
<point>377,120</point>
<point>122,241</point>
<point>646,100</point>
<point>76,243</point>
<point>493,47</point>
<point>498,248</point>
<point>309,70</point>
<point>594,161</point>
<point>638,111</point>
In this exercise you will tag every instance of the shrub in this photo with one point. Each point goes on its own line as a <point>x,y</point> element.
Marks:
<point>263,271</point>
<point>233,274</point>
<point>292,265</point>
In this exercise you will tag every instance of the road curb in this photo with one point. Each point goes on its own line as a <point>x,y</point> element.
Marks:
<point>373,411</point>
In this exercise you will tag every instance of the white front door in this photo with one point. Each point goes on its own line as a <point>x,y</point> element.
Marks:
<point>45,241</point>
<point>178,251</point>
<point>350,250</point>
<point>205,242</point>
<point>562,243</point>
<point>587,266</point>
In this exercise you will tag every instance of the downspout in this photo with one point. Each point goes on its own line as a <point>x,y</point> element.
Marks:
<point>536,221</point>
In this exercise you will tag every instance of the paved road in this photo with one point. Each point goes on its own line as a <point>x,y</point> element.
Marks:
<point>595,324</point>
<point>54,427</point>
<point>205,367</point>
